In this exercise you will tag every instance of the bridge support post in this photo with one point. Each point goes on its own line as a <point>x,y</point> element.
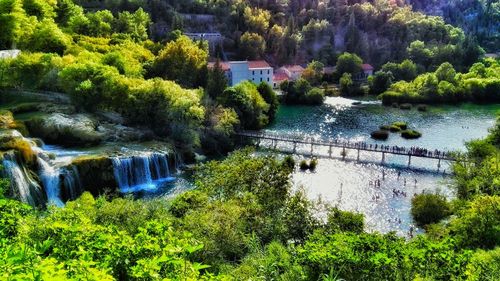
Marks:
<point>294,147</point>
<point>312,149</point>
<point>439,164</point>
<point>330,151</point>
<point>275,144</point>
<point>358,154</point>
<point>409,160</point>
<point>383,156</point>
<point>344,153</point>
<point>258,143</point>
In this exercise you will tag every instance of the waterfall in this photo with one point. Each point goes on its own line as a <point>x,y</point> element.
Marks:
<point>23,186</point>
<point>72,186</point>
<point>141,172</point>
<point>51,182</point>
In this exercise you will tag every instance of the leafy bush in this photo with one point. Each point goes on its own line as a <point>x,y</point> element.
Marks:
<point>312,164</point>
<point>246,100</point>
<point>429,208</point>
<point>341,221</point>
<point>303,165</point>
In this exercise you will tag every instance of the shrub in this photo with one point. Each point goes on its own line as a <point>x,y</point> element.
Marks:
<point>385,127</point>
<point>410,134</point>
<point>288,161</point>
<point>303,165</point>
<point>380,135</point>
<point>338,220</point>
<point>312,164</point>
<point>429,208</point>
<point>315,96</point>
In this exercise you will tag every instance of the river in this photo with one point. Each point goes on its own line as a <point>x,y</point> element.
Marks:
<point>350,184</point>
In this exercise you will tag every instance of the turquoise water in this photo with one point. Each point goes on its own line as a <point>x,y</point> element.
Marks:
<point>350,184</point>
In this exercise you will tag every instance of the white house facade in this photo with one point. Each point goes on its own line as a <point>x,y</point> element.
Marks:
<point>254,71</point>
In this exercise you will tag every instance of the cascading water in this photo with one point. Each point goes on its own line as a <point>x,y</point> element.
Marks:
<point>72,186</point>
<point>22,184</point>
<point>51,182</point>
<point>141,172</point>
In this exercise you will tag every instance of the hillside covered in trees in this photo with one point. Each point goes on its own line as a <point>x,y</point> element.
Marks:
<point>299,31</point>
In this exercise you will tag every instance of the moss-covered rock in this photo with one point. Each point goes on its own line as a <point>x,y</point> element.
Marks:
<point>13,140</point>
<point>380,135</point>
<point>405,106</point>
<point>96,174</point>
<point>422,107</point>
<point>400,125</point>
<point>411,134</point>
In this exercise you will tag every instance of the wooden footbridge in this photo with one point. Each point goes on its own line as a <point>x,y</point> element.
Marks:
<point>346,145</point>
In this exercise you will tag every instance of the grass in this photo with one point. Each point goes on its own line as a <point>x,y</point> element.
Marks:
<point>411,134</point>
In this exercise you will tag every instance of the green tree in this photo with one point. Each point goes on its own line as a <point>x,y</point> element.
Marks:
<point>271,98</point>
<point>380,82</point>
<point>217,80</point>
<point>349,63</point>
<point>420,54</point>
<point>478,224</point>
<point>182,61</point>
<point>313,72</point>
<point>251,108</point>
<point>347,86</point>
<point>252,46</point>
<point>429,208</point>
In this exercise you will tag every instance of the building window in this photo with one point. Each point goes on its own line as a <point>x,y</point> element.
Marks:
<point>268,71</point>
<point>253,72</point>
<point>260,79</point>
<point>267,79</point>
<point>261,72</point>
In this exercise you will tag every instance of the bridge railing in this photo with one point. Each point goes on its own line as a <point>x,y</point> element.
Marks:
<point>340,143</point>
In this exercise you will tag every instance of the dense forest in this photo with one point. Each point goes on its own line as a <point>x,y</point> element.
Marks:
<point>243,220</point>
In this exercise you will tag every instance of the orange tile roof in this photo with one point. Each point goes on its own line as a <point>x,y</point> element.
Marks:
<point>279,76</point>
<point>258,64</point>
<point>366,66</point>
<point>224,65</point>
<point>294,68</point>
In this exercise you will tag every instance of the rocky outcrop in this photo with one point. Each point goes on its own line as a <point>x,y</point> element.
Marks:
<point>96,174</point>
<point>82,130</point>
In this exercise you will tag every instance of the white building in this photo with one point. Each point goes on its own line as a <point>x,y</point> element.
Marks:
<point>254,71</point>
<point>293,72</point>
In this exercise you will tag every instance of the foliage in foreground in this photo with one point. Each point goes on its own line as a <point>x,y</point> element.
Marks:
<point>242,222</point>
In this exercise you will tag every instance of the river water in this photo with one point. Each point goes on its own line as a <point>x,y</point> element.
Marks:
<point>367,186</point>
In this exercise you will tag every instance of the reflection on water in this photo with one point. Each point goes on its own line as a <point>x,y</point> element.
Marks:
<point>352,185</point>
